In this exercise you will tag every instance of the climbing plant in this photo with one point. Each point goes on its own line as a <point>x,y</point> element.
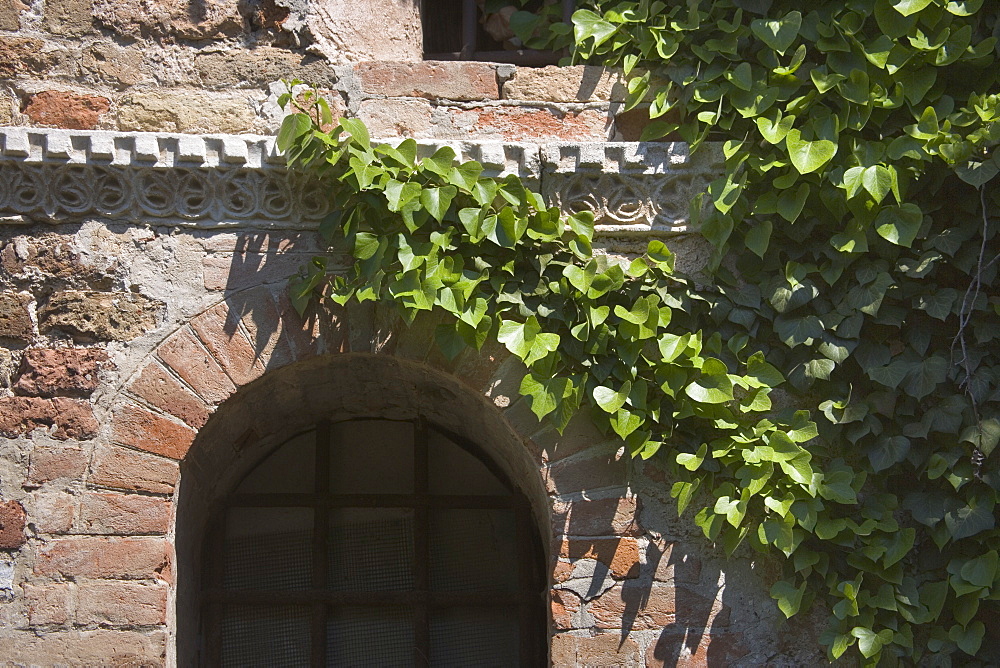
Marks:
<point>856,245</point>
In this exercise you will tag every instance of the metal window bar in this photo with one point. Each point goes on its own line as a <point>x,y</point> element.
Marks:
<point>470,38</point>
<point>321,603</point>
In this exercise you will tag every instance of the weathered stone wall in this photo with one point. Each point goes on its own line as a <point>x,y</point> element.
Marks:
<point>169,66</point>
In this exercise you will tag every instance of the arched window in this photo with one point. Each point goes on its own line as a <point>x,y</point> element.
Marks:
<point>374,542</point>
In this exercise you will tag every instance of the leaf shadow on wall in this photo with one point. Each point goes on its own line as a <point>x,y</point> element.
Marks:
<point>254,274</point>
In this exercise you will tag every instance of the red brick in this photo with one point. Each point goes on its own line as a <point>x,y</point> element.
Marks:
<point>562,571</point>
<point>580,474</point>
<point>265,327</point>
<point>714,650</point>
<point>641,606</point>
<point>137,427</point>
<point>565,604</point>
<point>12,520</point>
<point>121,603</point>
<point>15,321</point>
<point>124,514</point>
<point>158,387</point>
<point>605,650</point>
<point>121,468</point>
<point>596,517</point>
<point>513,123</point>
<point>48,603</point>
<point>53,512</point>
<point>671,563</point>
<point>66,110</point>
<point>72,418</point>
<point>55,463</point>
<point>185,354</point>
<point>98,647</point>
<point>304,331</point>
<point>219,329</point>
<point>429,79</point>
<point>105,557</point>
<point>49,372</point>
<point>621,555</point>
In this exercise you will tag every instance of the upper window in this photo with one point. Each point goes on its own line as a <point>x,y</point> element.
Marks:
<point>456,30</point>
<point>374,543</point>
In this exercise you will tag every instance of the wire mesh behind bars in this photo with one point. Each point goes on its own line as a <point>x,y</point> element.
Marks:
<point>369,570</point>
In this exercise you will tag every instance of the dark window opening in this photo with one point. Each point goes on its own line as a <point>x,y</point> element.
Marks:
<point>374,543</point>
<point>453,31</point>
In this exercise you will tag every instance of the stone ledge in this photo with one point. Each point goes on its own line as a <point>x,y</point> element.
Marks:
<point>57,175</point>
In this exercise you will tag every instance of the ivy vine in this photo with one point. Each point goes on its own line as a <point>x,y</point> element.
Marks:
<point>855,211</point>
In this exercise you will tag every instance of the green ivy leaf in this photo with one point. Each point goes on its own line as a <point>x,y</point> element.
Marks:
<point>778,34</point>
<point>437,201</point>
<point>969,520</point>
<point>713,386</point>
<point>907,7</point>
<point>899,224</point>
<point>610,400</point>
<point>808,156</point>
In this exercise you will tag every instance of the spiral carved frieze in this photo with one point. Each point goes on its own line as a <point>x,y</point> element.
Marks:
<point>64,192</point>
<point>60,175</point>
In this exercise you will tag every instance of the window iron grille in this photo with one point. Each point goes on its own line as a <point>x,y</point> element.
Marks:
<point>432,561</point>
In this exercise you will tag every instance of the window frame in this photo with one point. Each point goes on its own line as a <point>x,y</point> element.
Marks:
<point>529,599</point>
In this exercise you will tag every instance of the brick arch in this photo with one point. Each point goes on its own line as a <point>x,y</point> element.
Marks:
<point>254,338</point>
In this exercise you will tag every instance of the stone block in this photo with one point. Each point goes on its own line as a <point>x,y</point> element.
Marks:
<point>121,604</point>
<point>121,468</point>
<point>52,512</point>
<point>402,118</point>
<point>207,19</point>
<point>47,372</point>
<point>24,55</point>
<point>100,647</point>
<point>257,67</point>
<point>348,31</point>
<point>578,83</point>
<point>124,514</point>
<point>642,606</point>
<point>434,80</point>
<point>136,427</point>
<point>10,14</point>
<point>59,109</point>
<point>12,520</point>
<point>68,17</point>
<point>48,603</point>
<point>55,463</point>
<point>105,557</point>
<point>621,555</point>
<point>116,65</point>
<point>100,316</point>
<point>158,387</point>
<point>187,111</point>
<point>72,418</point>
<point>578,474</point>
<point>243,270</point>
<point>605,650</point>
<point>187,356</point>
<point>15,319</point>
<point>30,256</point>
<point>596,517</point>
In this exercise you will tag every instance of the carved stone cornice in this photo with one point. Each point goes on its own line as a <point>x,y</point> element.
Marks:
<point>233,180</point>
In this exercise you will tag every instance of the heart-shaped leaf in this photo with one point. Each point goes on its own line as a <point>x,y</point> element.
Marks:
<point>778,34</point>
<point>808,156</point>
